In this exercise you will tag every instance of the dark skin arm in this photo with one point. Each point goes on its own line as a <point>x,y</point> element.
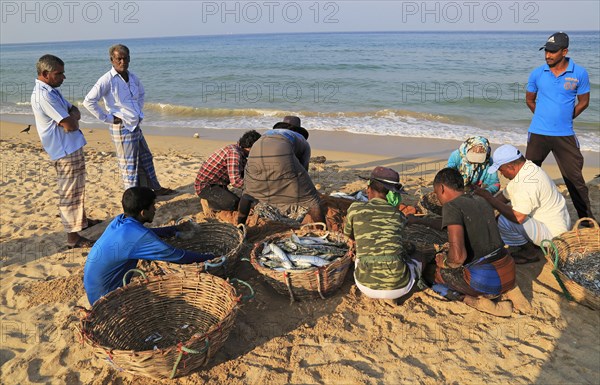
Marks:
<point>457,252</point>
<point>434,223</point>
<point>71,123</point>
<point>530,100</point>
<point>583,101</point>
<point>500,203</point>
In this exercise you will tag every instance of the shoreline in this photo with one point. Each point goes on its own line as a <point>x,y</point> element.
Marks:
<point>358,151</point>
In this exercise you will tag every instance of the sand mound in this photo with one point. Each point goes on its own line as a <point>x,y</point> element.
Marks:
<point>58,290</point>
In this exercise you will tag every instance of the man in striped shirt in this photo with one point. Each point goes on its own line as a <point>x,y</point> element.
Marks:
<point>224,167</point>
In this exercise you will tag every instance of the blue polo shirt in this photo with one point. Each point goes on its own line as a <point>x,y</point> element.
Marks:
<point>556,96</point>
<point>118,249</point>
<point>49,108</point>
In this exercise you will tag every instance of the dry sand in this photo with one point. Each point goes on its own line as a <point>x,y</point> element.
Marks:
<point>345,339</point>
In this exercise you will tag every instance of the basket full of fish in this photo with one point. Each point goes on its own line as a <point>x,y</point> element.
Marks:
<point>576,259</point>
<point>304,264</point>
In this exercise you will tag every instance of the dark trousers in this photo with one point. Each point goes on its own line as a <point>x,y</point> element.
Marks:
<point>220,198</point>
<point>570,163</point>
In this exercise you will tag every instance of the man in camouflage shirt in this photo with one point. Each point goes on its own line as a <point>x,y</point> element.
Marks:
<point>384,269</point>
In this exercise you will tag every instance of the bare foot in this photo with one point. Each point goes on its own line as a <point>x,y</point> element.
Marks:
<point>499,309</point>
<point>520,303</point>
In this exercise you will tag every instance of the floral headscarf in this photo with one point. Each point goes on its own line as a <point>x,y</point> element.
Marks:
<point>471,171</point>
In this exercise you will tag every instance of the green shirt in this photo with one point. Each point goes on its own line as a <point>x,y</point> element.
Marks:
<point>378,229</point>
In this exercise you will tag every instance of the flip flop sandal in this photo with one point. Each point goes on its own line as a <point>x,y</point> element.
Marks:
<point>521,260</point>
<point>81,243</point>
<point>92,222</point>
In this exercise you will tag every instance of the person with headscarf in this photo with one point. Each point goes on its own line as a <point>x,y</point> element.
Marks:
<point>472,160</point>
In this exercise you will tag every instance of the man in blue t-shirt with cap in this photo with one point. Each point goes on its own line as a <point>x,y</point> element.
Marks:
<point>551,93</point>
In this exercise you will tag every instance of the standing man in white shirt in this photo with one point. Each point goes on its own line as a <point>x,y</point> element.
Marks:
<point>57,123</point>
<point>123,96</point>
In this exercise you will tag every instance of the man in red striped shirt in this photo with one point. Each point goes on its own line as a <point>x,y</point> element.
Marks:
<point>224,167</point>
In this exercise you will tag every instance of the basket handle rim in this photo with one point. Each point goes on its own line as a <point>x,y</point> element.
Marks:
<point>586,219</point>
<point>216,264</point>
<point>141,272</point>
<point>246,297</point>
<point>548,247</point>
<point>187,218</point>
<point>242,227</point>
<point>314,224</point>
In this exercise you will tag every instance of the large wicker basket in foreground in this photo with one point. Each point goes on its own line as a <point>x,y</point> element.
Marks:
<point>579,242</point>
<point>161,327</point>
<point>316,282</point>
<point>224,240</point>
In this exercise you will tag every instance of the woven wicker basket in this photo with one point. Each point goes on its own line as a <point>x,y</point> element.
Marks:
<point>316,282</point>
<point>161,327</point>
<point>222,239</point>
<point>421,234</point>
<point>577,241</point>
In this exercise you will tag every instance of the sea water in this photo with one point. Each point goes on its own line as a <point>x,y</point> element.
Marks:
<point>447,85</point>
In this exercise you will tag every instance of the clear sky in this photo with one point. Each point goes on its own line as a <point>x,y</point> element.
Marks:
<point>44,21</point>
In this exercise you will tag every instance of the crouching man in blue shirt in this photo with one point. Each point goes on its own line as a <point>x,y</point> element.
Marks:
<point>126,240</point>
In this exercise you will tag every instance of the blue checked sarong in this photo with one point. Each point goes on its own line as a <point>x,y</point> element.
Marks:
<point>134,157</point>
<point>490,275</point>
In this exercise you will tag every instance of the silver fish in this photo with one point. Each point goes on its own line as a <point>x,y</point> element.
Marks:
<point>277,266</point>
<point>312,259</point>
<point>311,241</point>
<point>280,255</point>
<point>288,245</point>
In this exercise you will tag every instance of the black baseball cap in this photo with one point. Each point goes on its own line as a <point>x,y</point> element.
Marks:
<point>557,41</point>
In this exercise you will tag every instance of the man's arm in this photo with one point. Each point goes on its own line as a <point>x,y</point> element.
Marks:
<point>491,182</point>
<point>71,123</point>
<point>500,203</point>
<point>171,231</point>
<point>235,169</point>
<point>348,228</point>
<point>583,101</point>
<point>74,112</point>
<point>530,100</point>
<point>142,98</point>
<point>457,252</point>
<point>305,158</point>
<point>92,99</point>
<point>151,247</point>
<point>434,223</point>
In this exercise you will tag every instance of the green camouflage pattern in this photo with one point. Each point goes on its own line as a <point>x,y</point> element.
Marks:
<point>378,229</point>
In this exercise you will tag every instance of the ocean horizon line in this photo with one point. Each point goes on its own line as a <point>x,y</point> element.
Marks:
<point>391,32</point>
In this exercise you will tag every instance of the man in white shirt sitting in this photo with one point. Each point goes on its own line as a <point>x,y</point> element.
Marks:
<point>537,211</point>
<point>123,96</point>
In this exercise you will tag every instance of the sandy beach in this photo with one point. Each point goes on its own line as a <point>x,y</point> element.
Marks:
<point>344,339</point>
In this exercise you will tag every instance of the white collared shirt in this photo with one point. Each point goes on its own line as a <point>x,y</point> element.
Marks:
<point>532,192</point>
<point>124,100</point>
<point>50,108</point>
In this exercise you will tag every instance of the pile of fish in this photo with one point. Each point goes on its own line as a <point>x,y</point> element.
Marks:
<point>584,269</point>
<point>300,253</point>
<point>293,216</point>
